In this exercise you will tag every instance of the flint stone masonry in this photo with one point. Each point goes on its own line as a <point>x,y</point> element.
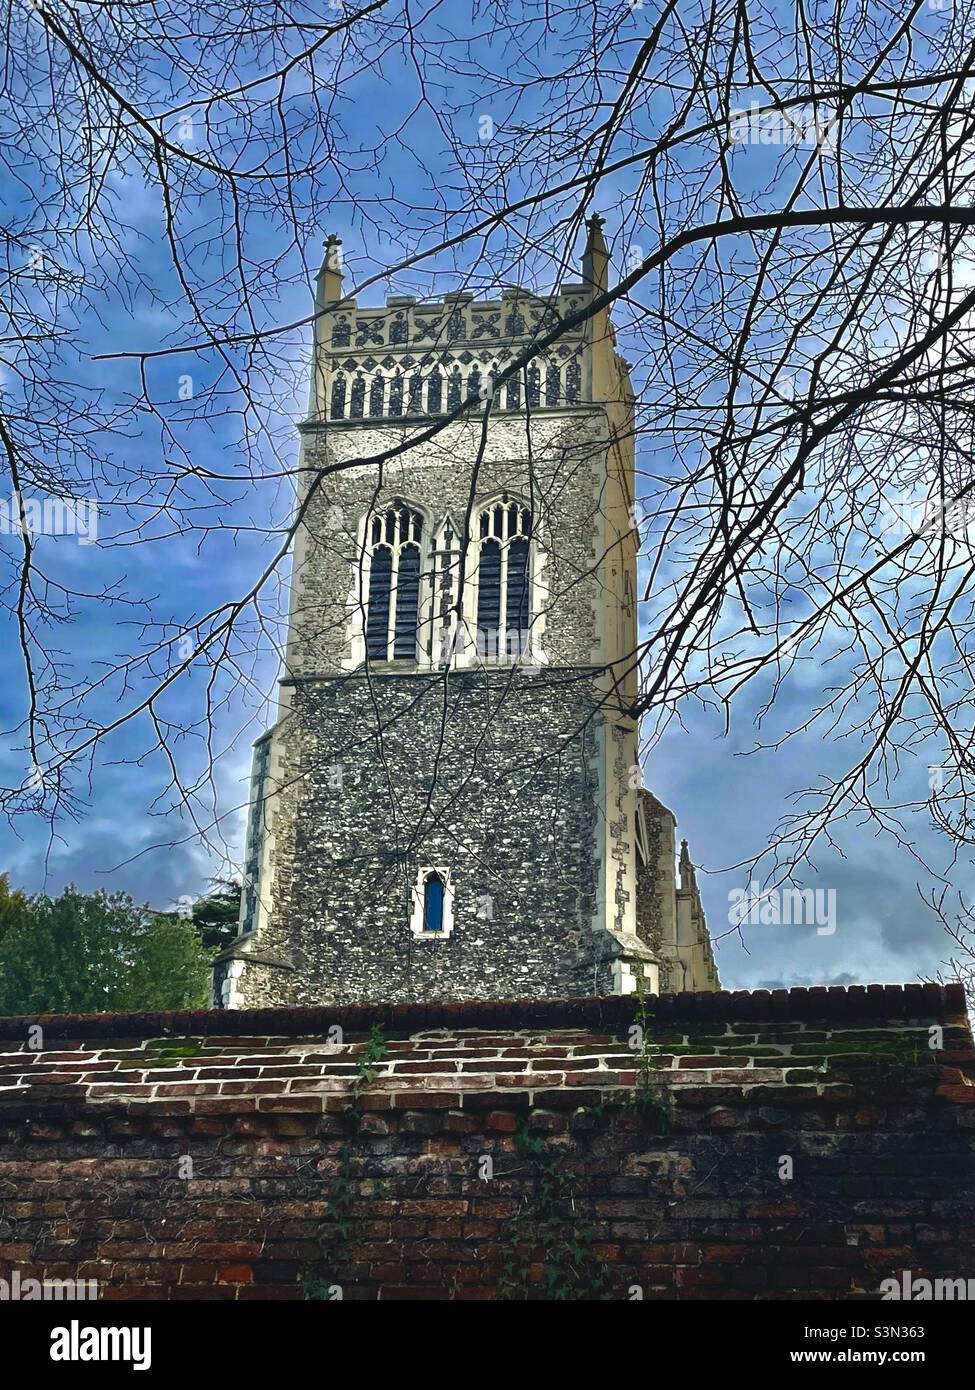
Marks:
<point>501,774</point>
<point>95,1131</point>
<point>561,468</point>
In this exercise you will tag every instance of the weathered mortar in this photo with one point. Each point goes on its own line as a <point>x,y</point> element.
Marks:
<point>880,1129</point>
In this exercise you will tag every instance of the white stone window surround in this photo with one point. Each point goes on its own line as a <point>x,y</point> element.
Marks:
<point>417,903</point>
<point>468,654</point>
<point>357,603</point>
<point>231,987</point>
<point>433,641</point>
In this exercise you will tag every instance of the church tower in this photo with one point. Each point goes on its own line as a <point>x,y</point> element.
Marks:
<point>449,804</point>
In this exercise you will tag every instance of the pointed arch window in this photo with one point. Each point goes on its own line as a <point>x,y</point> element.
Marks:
<point>434,393</point>
<point>433,902</point>
<point>552,384</point>
<point>453,389</point>
<point>377,392</point>
<point>504,581</point>
<point>533,390</point>
<point>395,538</point>
<point>338,397</point>
<point>432,914</point>
<point>358,396</point>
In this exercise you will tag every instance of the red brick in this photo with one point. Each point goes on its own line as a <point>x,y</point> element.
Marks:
<point>500,1122</point>
<point>427,1100</point>
<point>958,1095</point>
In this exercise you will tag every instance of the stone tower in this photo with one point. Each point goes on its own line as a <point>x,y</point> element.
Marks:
<point>449,803</point>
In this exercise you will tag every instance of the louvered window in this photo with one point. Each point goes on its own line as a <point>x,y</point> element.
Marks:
<point>407,604</point>
<point>395,563</point>
<point>504,582</point>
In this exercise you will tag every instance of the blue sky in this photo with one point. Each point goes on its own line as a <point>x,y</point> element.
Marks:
<point>127,833</point>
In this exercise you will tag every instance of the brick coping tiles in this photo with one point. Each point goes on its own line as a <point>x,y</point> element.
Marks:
<point>932,1001</point>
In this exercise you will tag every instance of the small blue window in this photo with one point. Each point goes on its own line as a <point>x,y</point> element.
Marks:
<point>433,892</point>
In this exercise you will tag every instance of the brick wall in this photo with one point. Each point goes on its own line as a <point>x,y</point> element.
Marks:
<point>804,1143</point>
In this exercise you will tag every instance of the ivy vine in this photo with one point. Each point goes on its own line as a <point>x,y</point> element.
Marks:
<point>546,1233</point>
<point>321,1284</point>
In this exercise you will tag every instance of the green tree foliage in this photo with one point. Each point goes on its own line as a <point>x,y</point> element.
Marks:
<point>13,904</point>
<point>98,952</point>
<point>216,914</point>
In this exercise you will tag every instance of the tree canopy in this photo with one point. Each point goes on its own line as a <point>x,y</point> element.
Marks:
<point>98,952</point>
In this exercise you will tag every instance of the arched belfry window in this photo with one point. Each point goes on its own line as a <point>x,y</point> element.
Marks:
<point>394,538</point>
<point>504,581</point>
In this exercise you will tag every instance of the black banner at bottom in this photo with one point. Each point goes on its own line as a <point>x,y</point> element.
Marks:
<point>172,1339</point>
